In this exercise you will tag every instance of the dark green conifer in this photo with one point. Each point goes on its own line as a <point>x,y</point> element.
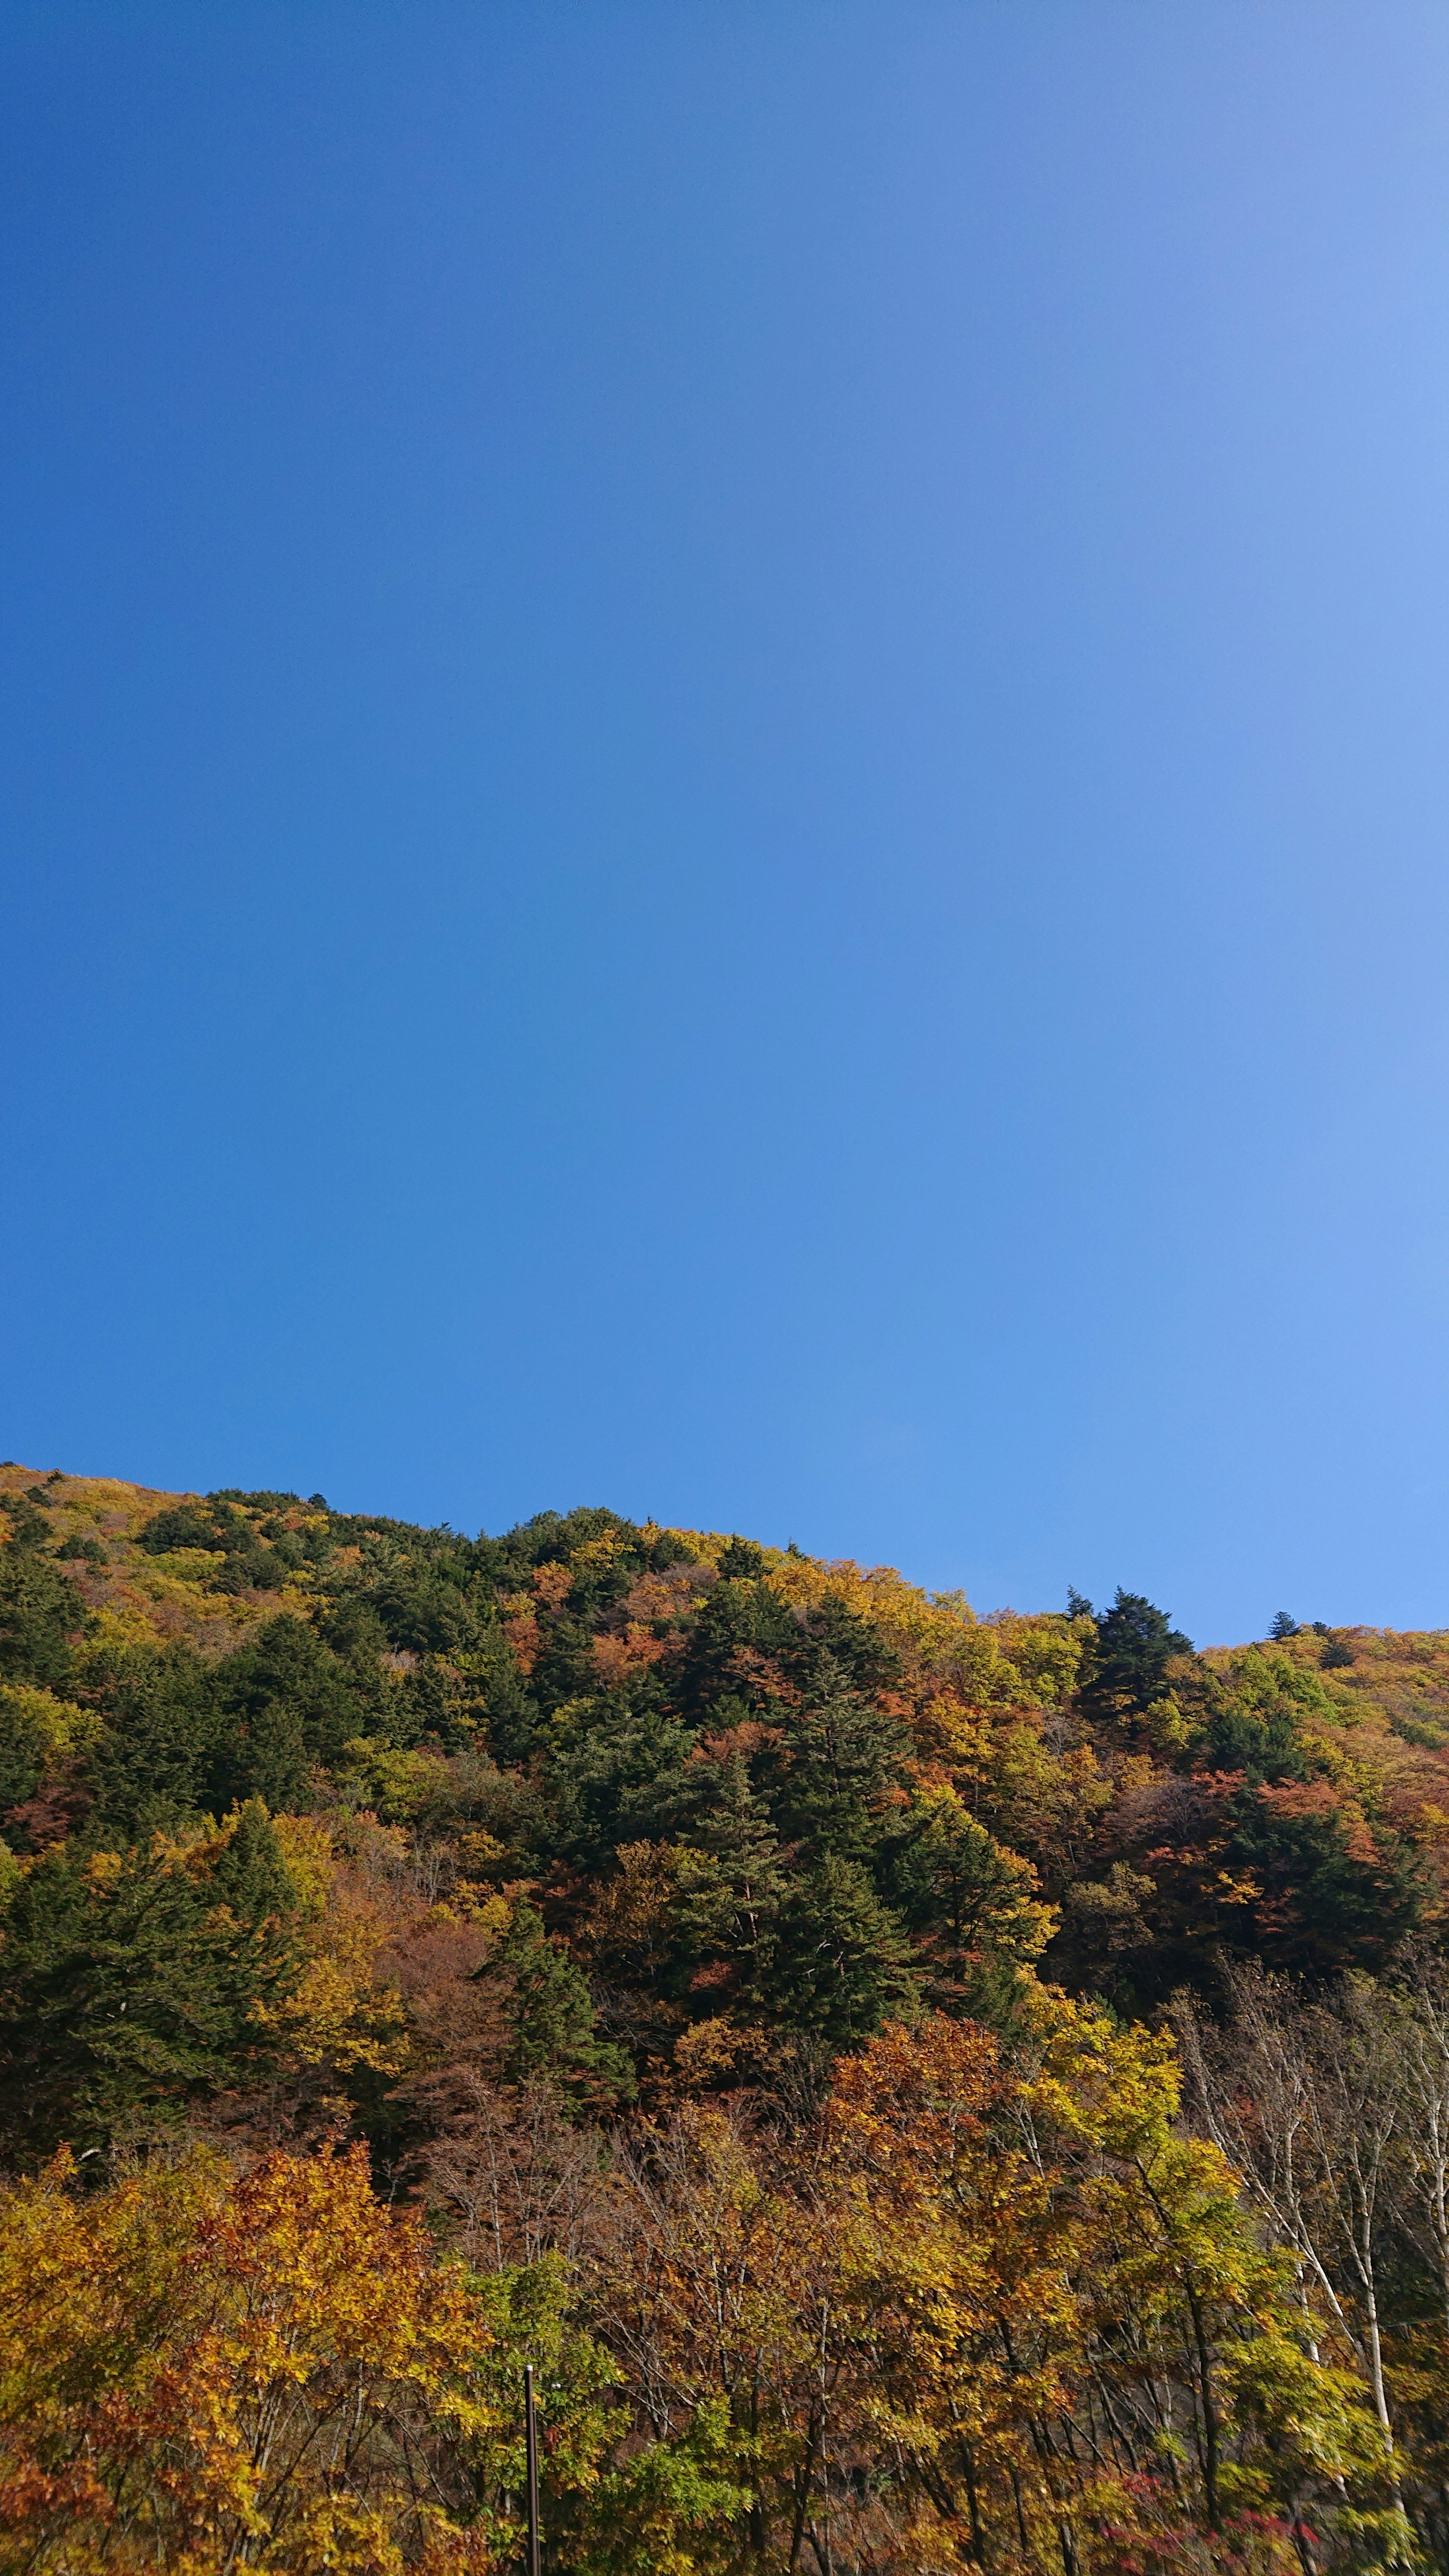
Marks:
<point>1126,1670</point>
<point>731,1903</point>
<point>554,2032</point>
<point>40,1612</point>
<point>842,1962</point>
<point>125,1994</point>
<point>250,1874</point>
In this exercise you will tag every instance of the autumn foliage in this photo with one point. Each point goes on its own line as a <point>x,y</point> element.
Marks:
<point>926,2093</point>
<point>203,2371</point>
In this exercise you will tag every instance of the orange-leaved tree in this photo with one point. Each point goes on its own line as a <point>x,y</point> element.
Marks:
<point>200,2373</point>
<point>988,2315</point>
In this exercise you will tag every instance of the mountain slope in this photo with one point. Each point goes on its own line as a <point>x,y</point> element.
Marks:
<point>748,1987</point>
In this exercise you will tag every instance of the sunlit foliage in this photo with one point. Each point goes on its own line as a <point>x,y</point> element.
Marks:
<point>740,1984</point>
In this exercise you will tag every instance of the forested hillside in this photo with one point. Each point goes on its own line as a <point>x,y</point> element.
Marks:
<point>928,2091</point>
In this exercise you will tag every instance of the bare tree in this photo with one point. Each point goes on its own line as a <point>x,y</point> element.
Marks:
<point>1307,2098</point>
<point>1306,2101</point>
<point>1422,2038</point>
<point>517,2179</point>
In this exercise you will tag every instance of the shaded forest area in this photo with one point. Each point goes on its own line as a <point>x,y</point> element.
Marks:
<point>926,2092</point>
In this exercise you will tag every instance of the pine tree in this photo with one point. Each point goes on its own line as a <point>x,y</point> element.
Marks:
<point>250,1875</point>
<point>1127,1668</point>
<point>551,2016</point>
<point>837,1755</point>
<point>842,1962</point>
<point>153,1758</point>
<point>732,1901</point>
<point>40,1612</point>
<point>124,1993</point>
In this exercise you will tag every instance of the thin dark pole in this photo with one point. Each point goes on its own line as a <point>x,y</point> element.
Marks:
<point>531,2429</point>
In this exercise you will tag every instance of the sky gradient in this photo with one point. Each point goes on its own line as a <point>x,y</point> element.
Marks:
<point>725,776</point>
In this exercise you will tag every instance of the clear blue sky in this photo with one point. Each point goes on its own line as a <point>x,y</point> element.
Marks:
<point>726,771</point>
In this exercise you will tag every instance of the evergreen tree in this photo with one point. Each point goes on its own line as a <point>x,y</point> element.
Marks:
<point>124,1994</point>
<point>551,2016</point>
<point>513,1715</point>
<point>614,1771</point>
<point>732,1894</point>
<point>40,1612</point>
<point>250,1875</point>
<point>741,1560</point>
<point>292,1698</point>
<point>152,1761</point>
<point>974,1905</point>
<point>1335,1895</point>
<point>842,1962</point>
<point>836,1758</point>
<point>740,1619</point>
<point>1126,1670</point>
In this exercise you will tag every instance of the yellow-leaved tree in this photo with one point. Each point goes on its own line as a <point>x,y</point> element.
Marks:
<point>200,2372</point>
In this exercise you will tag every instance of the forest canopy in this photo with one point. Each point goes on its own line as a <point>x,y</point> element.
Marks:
<point>926,2091</point>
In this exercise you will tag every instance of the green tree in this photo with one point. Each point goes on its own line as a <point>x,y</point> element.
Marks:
<point>551,2017</point>
<point>1127,1666</point>
<point>126,1990</point>
<point>741,1560</point>
<point>613,1771</point>
<point>291,1699</point>
<point>842,1962</point>
<point>1335,1895</point>
<point>250,1875</point>
<point>152,1760</point>
<point>837,1757</point>
<point>734,1877</point>
<point>41,1612</point>
<point>974,1904</point>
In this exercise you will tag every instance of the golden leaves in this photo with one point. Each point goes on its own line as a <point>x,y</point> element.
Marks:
<point>195,2367</point>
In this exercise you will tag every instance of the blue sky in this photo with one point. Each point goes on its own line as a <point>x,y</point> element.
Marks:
<point>725,775</point>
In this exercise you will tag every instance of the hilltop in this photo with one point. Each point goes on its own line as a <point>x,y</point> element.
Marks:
<point>581,1692</point>
<point>851,2044</point>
